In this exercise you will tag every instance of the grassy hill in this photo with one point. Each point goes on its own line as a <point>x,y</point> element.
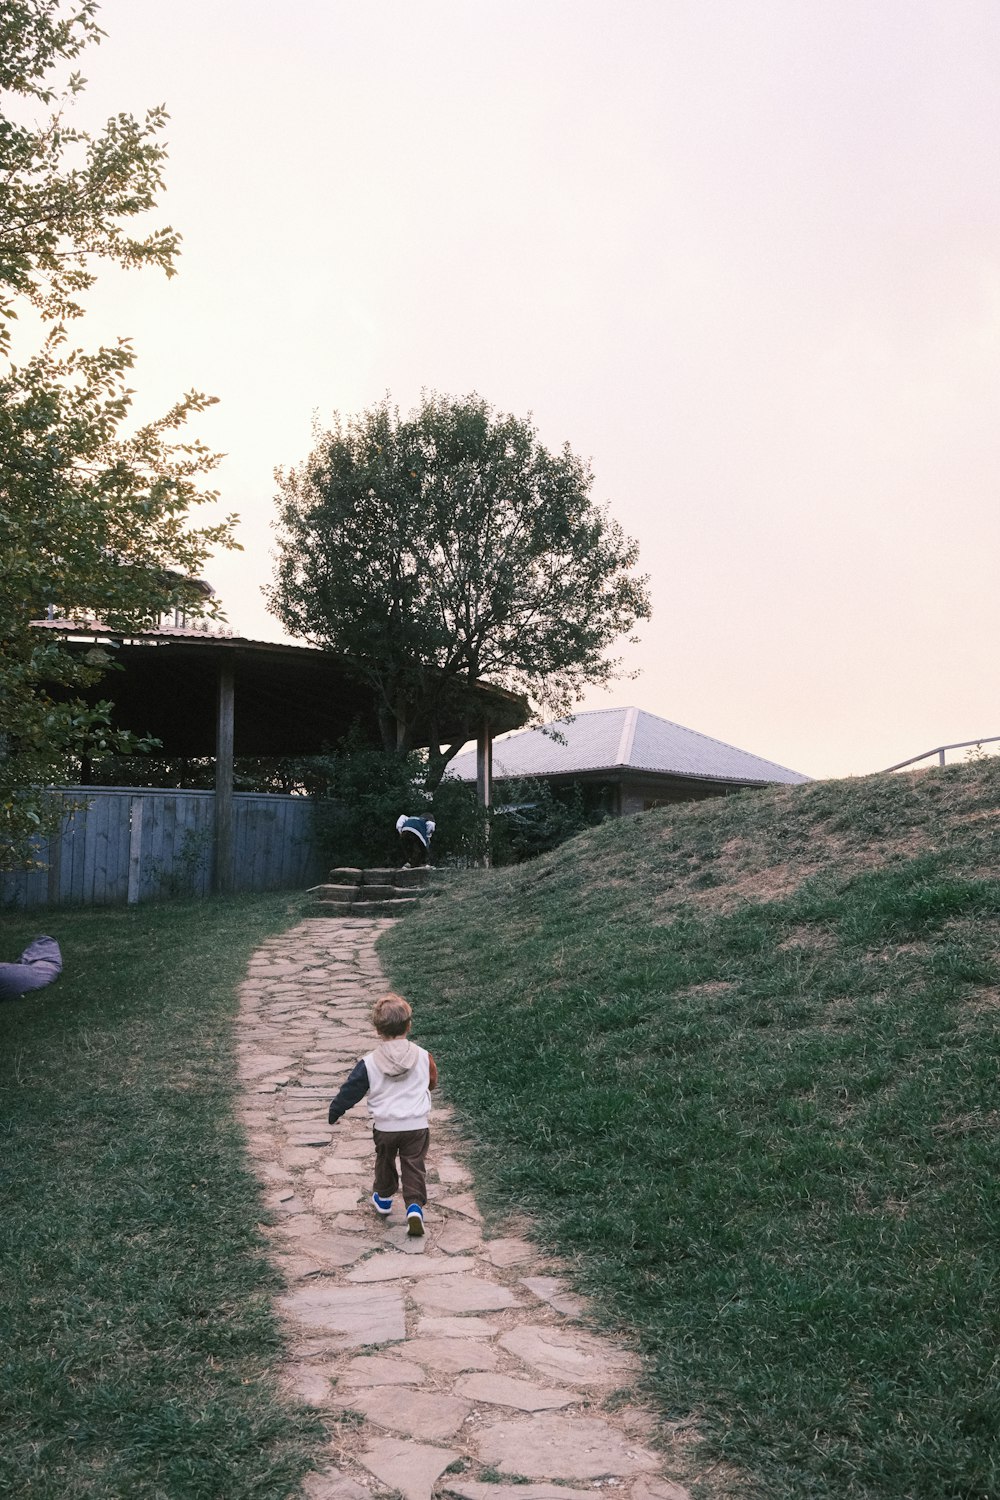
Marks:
<point>739,1060</point>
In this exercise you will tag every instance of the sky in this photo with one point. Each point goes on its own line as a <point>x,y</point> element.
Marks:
<point>742,255</point>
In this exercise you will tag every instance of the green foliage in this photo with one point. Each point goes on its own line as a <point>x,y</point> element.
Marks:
<point>461,831</point>
<point>68,194</point>
<point>187,865</point>
<point>529,819</point>
<point>136,1321</point>
<point>448,548</point>
<point>94,518</point>
<point>758,1115</point>
<point>251,773</point>
<point>362,791</point>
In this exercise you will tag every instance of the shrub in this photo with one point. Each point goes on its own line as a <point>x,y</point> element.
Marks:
<point>362,791</point>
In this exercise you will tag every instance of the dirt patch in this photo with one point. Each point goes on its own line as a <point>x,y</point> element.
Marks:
<point>804,939</point>
<point>741,878</point>
<point>708,987</point>
<point>885,1208</point>
<point>981,1007</point>
<point>983,1000</point>
<point>970,1124</point>
<point>893,951</point>
<point>771,883</point>
<point>840,1011</point>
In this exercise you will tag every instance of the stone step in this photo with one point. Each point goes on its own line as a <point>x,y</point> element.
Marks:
<point>350,895</point>
<point>369,893</point>
<point>343,894</point>
<point>347,875</point>
<point>393,908</point>
<point>420,875</point>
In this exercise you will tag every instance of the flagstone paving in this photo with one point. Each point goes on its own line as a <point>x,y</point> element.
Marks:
<point>442,1362</point>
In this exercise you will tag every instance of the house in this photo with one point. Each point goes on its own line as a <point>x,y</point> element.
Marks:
<point>626,760</point>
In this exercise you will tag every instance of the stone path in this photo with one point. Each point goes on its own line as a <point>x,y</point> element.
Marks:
<point>449,1360</point>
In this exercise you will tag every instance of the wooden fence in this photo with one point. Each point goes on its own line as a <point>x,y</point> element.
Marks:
<point>126,844</point>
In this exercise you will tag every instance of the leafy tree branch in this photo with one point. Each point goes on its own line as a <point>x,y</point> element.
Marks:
<point>94,517</point>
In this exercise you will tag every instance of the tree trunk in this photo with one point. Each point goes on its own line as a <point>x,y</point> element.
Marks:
<point>387,729</point>
<point>437,763</point>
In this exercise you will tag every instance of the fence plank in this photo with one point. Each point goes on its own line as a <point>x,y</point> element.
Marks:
<point>241,854</point>
<point>282,831</point>
<point>97,823</point>
<point>137,811</point>
<point>52,855</point>
<point>119,861</point>
<point>201,833</point>
<point>73,876</point>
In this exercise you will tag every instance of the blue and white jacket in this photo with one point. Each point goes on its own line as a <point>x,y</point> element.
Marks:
<point>421,828</point>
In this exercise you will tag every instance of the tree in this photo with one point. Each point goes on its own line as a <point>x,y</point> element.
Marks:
<point>93,517</point>
<point>447,549</point>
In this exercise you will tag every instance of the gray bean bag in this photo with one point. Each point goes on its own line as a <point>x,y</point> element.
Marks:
<point>39,964</point>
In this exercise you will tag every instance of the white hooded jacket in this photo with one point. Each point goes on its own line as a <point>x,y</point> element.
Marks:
<point>399,1095</point>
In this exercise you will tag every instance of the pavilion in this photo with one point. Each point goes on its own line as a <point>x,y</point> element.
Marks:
<point>205,692</point>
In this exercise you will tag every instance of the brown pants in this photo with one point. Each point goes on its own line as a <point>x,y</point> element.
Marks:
<point>415,851</point>
<point>411,1148</point>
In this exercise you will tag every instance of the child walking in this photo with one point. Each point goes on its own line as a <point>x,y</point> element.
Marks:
<point>397,1077</point>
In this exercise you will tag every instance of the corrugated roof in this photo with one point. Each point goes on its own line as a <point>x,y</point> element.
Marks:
<point>202,631</point>
<point>610,739</point>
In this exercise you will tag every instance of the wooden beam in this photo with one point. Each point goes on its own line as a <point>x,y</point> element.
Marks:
<point>484,779</point>
<point>222,881</point>
<point>484,764</point>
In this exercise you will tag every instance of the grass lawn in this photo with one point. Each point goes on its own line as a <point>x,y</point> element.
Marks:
<point>136,1331</point>
<point>739,1060</point>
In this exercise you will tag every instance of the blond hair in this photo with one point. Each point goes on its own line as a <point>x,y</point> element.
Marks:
<point>391,1015</point>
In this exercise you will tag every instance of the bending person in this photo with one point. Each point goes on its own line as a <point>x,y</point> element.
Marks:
<point>415,834</point>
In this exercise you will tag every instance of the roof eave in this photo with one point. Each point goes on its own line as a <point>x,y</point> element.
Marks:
<point>639,773</point>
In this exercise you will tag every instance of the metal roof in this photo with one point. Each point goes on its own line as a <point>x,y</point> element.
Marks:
<point>623,739</point>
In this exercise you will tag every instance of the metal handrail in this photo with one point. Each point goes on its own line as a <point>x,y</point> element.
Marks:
<point>939,752</point>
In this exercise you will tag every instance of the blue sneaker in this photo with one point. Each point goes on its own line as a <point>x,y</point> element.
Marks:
<point>415,1219</point>
<point>382,1206</point>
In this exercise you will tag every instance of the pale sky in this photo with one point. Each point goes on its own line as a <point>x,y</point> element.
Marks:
<point>743,256</point>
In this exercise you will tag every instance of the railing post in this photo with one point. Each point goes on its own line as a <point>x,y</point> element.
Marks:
<point>941,756</point>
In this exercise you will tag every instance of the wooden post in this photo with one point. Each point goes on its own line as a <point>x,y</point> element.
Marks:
<point>222,881</point>
<point>484,777</point>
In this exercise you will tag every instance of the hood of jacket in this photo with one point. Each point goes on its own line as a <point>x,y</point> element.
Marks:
<point>396,1056</point>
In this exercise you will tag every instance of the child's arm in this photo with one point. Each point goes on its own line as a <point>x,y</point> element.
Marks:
<point>432,1081</point>
<point>354,1089</point>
